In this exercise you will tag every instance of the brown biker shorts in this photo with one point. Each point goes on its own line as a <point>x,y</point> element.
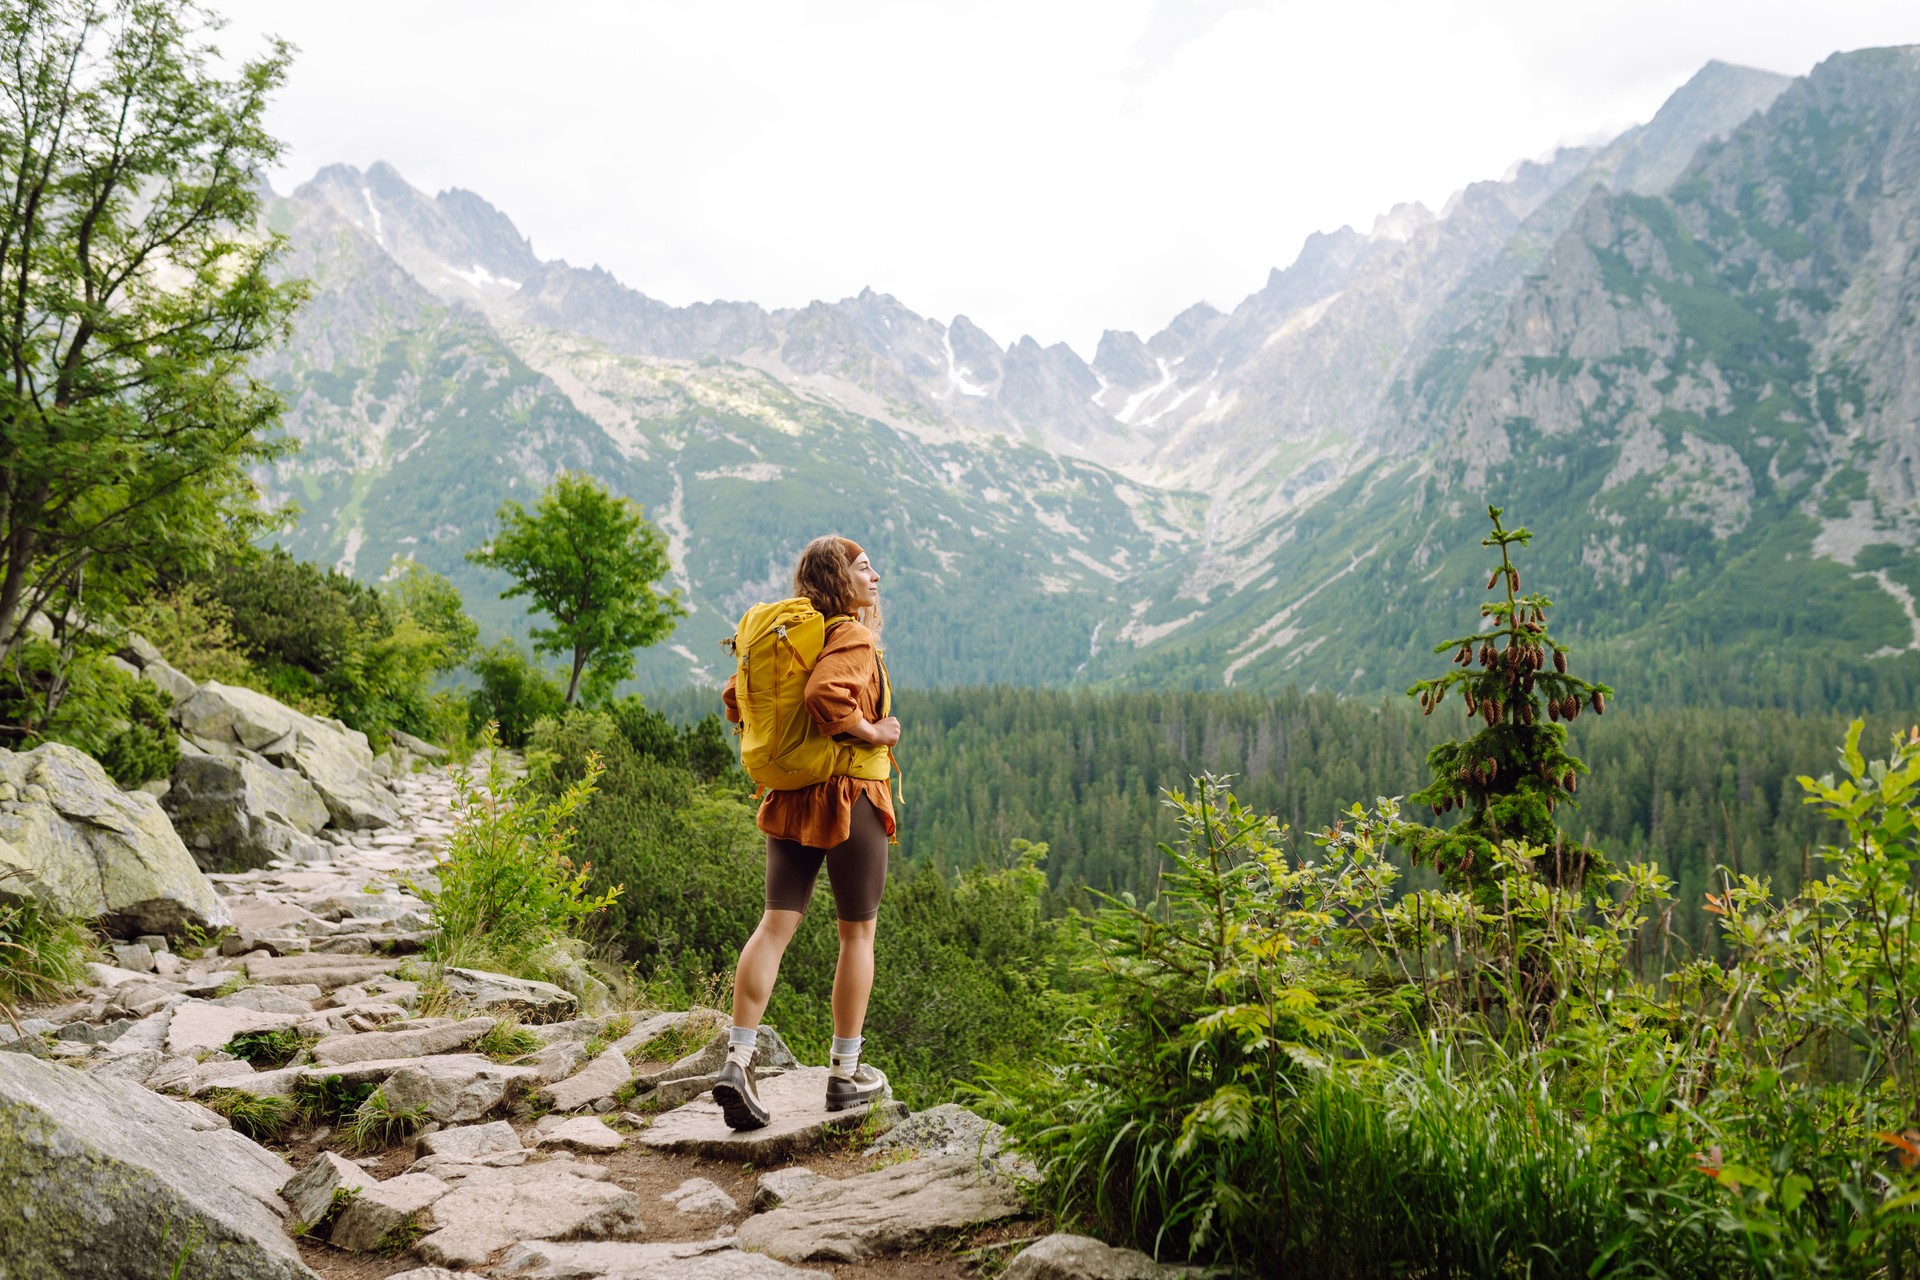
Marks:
<point>856,868</point>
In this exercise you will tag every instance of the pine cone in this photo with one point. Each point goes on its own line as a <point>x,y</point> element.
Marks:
<point>1493,578</point>
<point>1513,579</point>
<point>1570,782</point>
<point>1553,709</point>
<point>1560,661</point>
<point>1599,703</point>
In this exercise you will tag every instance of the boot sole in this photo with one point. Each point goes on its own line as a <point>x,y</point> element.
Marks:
<point>848,1103</point>
<point>739,1111</point>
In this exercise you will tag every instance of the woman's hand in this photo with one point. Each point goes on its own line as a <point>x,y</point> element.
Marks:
<point>881,733</point>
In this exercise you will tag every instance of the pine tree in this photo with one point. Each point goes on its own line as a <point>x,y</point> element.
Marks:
<point>1513,773</point>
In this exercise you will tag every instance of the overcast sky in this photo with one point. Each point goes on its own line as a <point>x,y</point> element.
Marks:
<point>1046,168</point>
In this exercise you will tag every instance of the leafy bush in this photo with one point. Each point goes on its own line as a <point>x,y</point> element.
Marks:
<point>514,694</point>
<point>80,698</point>
<point>508,897</point>
<point>266,1050</point>
<point>194,631</point>
<point>1291,1062</point>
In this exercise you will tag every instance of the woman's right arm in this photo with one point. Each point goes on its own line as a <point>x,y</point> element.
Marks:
<point>731,701</point>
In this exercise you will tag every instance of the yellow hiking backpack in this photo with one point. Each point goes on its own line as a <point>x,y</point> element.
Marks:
<point>776,646</point>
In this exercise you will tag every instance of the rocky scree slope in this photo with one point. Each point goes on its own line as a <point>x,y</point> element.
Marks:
<point>582,1146</point>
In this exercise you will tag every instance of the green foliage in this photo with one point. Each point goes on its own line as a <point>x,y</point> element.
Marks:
<point>514,694</point>
<point>131,418</point>
<point>322,641</point>
<point>328,1099</point>
<point>42,953</point>
<point>508,897</point>
<point>1512,773</point>
<point>1290,1060</point>
<point>589,561</point>
<point>78,697</point>
<point>194,630</point>
<point>260,1116</point>
<point>506,1039</point>
<point>266,1050</point>
<point>377,1124</point>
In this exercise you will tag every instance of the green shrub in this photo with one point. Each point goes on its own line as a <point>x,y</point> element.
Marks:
<point>42,954</point>
<point>328,1099</point>
<point>193,630</point>
<point>82,699</point>
<point>267,1050</point>
<point>514,693</point>
<point>508,897</point>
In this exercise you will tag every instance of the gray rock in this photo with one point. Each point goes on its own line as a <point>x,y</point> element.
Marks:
<point>587,1134</point>
<point>379,1211</point>
<point>491,1209</point>
<point>95,1032</point>
<point>455,1088</point>
<point>414,1042</point>
<point>292,1000</point>
<point>335,759</point>
<point>537,1001</point>
<point>139,650</point>
<point>605,1260</point>
<point>418,746</point>
<point>776,1185</point>
<point>700,1196</point>
<point>599,1079</point>
<point>465,1142</point>
<point>801,1121</point>
<point>325,972</point>
<point>885,1211</point>
<point>436,1273</point>
<point>99,853</point>
<point>96,1173</point>
<point>169,679</point>
<point>239,812</point>
<point>1069,1257</point>
<point>136,956</point>
<point>309,1193</point>
<point>946,1130</point>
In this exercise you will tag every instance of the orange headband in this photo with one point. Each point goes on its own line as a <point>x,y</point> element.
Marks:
<point>852,550</point>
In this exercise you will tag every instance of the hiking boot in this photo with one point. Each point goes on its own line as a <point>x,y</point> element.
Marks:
<point>869,1084</point>
<point>737,1097</point>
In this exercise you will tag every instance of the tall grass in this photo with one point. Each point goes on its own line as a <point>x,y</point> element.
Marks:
<point>42,953</point>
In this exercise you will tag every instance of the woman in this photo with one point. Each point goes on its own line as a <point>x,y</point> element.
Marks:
<point>844,822</point>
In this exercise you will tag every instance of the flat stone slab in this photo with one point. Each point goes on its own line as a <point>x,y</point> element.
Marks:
<point>600,1260</point>
<point>541,1001</point>
<point>900,1207</point>
<point>455,1088</point>
<point>589,1134</point>
<point>467,1141</point>
<point>770,1188</point>
<point>378,1211</point>
<point>699,1196</point>
<point>801,1122</point>
<point>601,1078</point>
<point>325,972</point>
<point>483,1214</point>
<point>411,1042</point>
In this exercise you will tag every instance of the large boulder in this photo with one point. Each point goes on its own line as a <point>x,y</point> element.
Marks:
<point>902,1206</point>
<point>1069,1257</point>
<point>238,812</point>
<point>225,719</point>
<point>96,852</point>
<point>100,1178</point>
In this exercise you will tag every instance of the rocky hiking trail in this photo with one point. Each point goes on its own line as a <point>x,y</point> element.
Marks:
<point>590,1148</point>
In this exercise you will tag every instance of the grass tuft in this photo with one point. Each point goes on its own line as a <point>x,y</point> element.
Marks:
<point>42,953</point>
<point>507,1040</point>
<point>377,1124</point>
<point>261,1117</point>
<point>266,1050</point>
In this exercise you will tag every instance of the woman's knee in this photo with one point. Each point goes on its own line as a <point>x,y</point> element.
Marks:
<point>856,932</point>
<point>778,927</point>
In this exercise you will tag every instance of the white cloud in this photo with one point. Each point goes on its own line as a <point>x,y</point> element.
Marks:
<point>1044,168</point>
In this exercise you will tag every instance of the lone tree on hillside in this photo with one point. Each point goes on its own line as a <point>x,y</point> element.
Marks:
<point>590,561</point>
<point>1513,773</point>
<point>134,289</point>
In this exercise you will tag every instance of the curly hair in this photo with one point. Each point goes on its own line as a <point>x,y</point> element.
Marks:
<point>824,576</point>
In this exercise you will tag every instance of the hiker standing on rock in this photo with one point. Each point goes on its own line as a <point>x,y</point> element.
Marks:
<point>814,705</point>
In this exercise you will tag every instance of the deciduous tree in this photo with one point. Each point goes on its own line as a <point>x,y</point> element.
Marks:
<point>590,561</point>
<point>134,288</point>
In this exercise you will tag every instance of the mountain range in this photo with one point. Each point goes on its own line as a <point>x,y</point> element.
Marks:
<point>1686,356</point>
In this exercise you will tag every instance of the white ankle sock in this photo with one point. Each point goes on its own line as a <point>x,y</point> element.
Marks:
<point>741,1042</point>
<point>845,1061</point>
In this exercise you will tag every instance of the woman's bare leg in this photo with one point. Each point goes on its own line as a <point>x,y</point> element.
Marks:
<point>852,979</point>
<point>759,966</point>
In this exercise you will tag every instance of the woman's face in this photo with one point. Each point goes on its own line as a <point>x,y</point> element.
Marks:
<point>866,583</point>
